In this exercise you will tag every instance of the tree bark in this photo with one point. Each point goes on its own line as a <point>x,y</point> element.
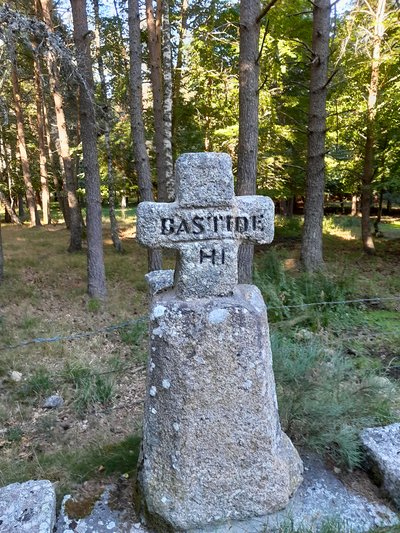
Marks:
<point>142,162</point>
<point>42,145</point>
<point>9,209</point>
<point>74,215</point>
<point>178,68</point>
<point>248,118</point>
<point>58,185</point>
<point>368,170</point>
<point>1,257</point>
<point>154,45</point>
<point>354,205</point>
<point>167,102</point>
<point>30,193</point>
<point>311,248</point>
<point>95,259</point>
<point>105,104</point>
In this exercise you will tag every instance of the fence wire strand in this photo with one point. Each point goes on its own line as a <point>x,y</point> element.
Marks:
<point>115,327</point>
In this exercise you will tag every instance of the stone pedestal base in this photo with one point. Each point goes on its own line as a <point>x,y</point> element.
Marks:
<point>213,450</point>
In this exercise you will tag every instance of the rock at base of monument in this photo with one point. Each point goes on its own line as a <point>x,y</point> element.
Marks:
<point>382,445</point>
<point>29,506</point>
<point>321,501</point>
<point>213,450</point>
<point>102,518</point>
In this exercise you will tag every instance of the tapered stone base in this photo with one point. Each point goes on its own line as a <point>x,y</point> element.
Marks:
<point>213,449</point>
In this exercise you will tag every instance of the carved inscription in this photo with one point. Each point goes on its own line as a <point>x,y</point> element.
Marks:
<point>198,225</point>
<point>213,255</point>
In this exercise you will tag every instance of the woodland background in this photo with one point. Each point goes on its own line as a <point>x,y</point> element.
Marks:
<point>98,100</point>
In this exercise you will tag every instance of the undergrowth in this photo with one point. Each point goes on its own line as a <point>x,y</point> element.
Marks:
<point>281,291</point>
<point>325,398</point>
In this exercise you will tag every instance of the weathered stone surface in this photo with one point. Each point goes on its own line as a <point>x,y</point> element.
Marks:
<point>204,179</point>
<point>206,224</point>
<point>320,500</point>
<point>382,445</point>
<point>29,506</point>
<point>160,280</point>
<point>213,449</point>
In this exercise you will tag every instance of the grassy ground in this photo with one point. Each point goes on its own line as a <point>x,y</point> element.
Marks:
<point>337,365</point>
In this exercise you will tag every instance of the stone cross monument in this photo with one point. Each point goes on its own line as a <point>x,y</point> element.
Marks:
<point>213,450</point>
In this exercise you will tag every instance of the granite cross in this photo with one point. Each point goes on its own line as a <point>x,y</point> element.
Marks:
<point>206,223</point>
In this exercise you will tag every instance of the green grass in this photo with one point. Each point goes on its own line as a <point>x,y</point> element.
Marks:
<point>287,296</point>
<point>90,385</point>
<point>325,398</point>
<point>76,465</point>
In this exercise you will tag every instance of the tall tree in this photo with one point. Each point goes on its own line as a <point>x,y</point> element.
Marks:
<point>311,249</point>
<point>154,18</point>
<point>248,117</point>
<point>42,145</point>
<point>167,101</point>
<point>368,168</point>
<point>142,162</point>
<point>95,260</point>
<point>106,106</point>
<point>1,257</point>
<point>74,214</point>
<point>30,193</point>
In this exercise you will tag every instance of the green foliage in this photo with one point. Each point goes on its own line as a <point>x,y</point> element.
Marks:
<point>136,338</point>
<point>14,434</point>
<point>280,290</point>
<point>94,305</point>
<point>38,384</point>
<point>91,386</point>
<point>325,398</point>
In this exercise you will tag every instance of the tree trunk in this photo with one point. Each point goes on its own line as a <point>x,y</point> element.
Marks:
<point>42,145</point>
<point>95,259</point>
<point>138,133</point>
<point>58,186</point>
<point>368,170</point>
<point>9,212</point>
<point>311,248</point>
<point>21,210</point>
<point>354,206</point>
<point>1,258</point>
<point>167,102</point>
<point>9,209</point>
<point>178,67</point>
<point>74,216</point>
<point>154,44</point>
<point>105,104</point>
<point>30,193</point>
<point>379,214</point>
<point>248,118</point>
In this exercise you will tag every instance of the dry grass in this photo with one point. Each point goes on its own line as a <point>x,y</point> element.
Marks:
<point>44,295</point>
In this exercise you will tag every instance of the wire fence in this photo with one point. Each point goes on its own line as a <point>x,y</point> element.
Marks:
<point>115,327</point>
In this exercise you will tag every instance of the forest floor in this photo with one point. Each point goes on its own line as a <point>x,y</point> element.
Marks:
<point>94,437</point>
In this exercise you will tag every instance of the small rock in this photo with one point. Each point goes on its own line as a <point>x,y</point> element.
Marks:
<point>53,402</point>
<point>29,506</point>
<point>15,376</point>
<point>382,445</point>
